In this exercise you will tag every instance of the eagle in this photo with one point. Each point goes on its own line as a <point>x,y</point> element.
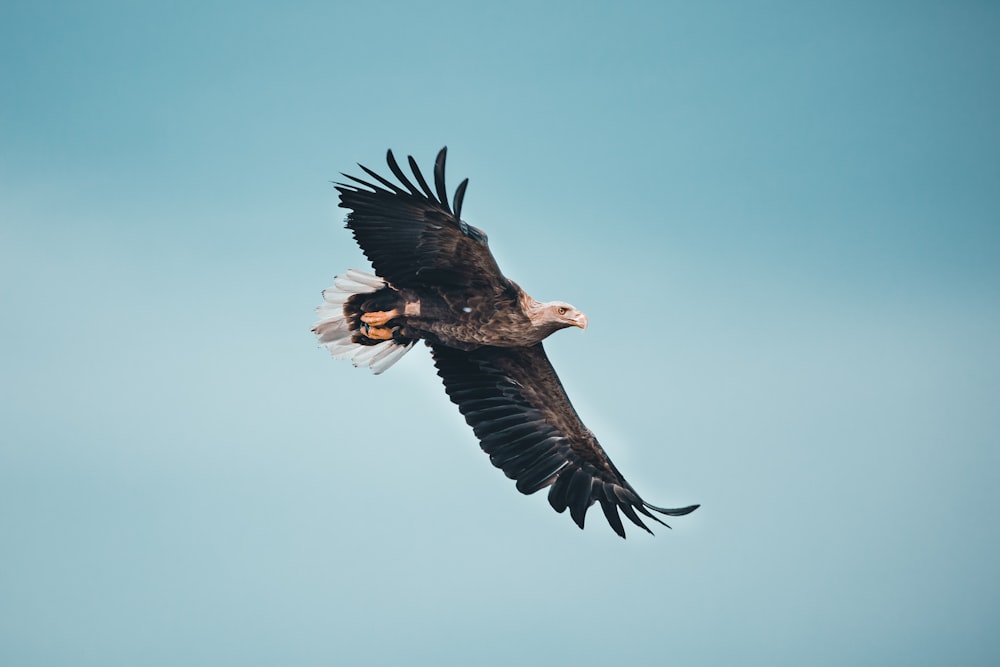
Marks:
<point>436,280</point>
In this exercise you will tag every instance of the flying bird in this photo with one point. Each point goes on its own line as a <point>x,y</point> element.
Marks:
<point>436,280</point>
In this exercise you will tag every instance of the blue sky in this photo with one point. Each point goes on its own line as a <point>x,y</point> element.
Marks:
<point>782,219</point>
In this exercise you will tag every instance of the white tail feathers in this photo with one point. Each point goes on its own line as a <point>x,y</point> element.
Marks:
<point>333,328</point>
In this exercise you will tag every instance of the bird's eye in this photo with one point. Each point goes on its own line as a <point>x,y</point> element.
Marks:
<point>562,310</point>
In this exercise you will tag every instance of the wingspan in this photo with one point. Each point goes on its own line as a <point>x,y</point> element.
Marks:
<point>515,403</point>
<point>411,234</point>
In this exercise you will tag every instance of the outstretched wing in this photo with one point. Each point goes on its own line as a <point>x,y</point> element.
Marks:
<point>411,234</point>
<point>515,403</point>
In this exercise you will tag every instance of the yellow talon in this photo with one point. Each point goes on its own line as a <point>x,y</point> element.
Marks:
<point>380,318</point>
<point>376,333</point>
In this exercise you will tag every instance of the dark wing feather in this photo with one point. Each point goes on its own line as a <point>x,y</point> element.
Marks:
<point>460,197</point>
<point>412,237</point>
<point>515,403</point>
<point>442,192</point>
<point>419,176</point>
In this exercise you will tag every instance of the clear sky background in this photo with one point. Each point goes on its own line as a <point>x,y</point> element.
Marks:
<point>782,219</point>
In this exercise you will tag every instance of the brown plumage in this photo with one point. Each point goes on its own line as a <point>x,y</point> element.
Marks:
<point>437,281</point>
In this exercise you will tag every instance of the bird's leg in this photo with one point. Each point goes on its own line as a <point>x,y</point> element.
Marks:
<point>380,318</point>
<point>376,333</point>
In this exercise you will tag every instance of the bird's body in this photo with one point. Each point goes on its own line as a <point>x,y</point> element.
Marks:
<point>457,317</point>
<point>437,281</point>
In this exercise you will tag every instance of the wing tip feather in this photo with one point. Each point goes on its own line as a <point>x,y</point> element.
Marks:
<point>439,182</point>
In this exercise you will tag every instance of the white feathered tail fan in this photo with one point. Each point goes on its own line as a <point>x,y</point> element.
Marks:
<point>335,331</point>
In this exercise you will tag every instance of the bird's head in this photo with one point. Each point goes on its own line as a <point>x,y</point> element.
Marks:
<point>556,315</point>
